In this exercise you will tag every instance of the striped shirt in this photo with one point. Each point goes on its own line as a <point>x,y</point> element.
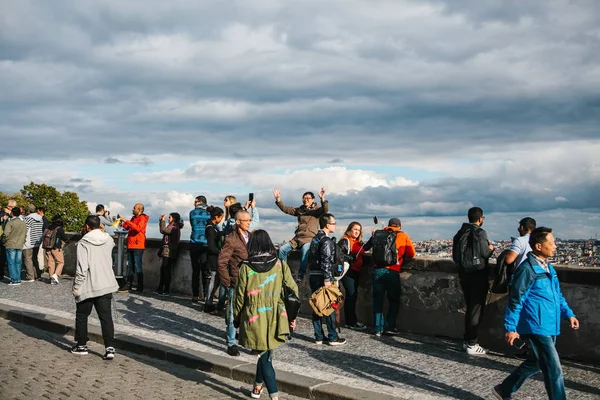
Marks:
<point>35,230</point>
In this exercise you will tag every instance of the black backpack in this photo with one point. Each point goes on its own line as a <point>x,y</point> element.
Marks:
<point>342,259</point>
<point>502,274</point>
<point>49,239</point>
<point>468,252</point>
<point>384,248</point>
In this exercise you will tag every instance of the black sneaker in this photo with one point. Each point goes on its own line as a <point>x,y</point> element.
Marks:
<point>233,351</point>
<point>79,350</point>
<point>326,341</point>
<point>496,392</point>
<point>357,326</point>
<point>110,353</point>
<point>337,342</point>
<point>164,294</point>
<point>158,292</point>
<point>391,332</point>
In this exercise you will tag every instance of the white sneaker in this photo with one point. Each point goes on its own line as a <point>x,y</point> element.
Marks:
<point>54,280</point>
<point>476,350</point>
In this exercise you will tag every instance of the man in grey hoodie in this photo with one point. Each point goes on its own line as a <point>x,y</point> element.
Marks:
<point>94,285</point>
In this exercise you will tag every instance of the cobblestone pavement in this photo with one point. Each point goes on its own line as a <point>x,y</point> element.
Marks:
<point>38,365</point>
<point>413,366</point>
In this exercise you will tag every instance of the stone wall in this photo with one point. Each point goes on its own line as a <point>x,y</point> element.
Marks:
<point>432,302</point>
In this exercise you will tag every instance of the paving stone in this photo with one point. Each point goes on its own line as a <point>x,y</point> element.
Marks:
<point>407,366</point>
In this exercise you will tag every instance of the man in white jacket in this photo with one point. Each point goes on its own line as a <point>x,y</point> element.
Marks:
<point>94,285</point>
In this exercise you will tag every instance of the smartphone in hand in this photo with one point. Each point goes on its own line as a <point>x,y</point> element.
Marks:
<point>251,197</point>
<point>518,343</point>
<point>375,221</point>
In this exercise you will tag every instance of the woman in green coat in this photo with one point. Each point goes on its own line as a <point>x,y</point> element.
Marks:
<point>259,310</point>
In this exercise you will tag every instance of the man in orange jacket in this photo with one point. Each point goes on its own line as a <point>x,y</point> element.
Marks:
<point>386,273</point>
<point>136,244</point>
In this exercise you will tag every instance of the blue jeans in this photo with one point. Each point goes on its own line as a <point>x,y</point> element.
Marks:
<point>134,264</point>
<point>316,281</point>
<point>13,257</point>
<point>385,281</point>
<point>543,358</point>
<point>286,248</point>
<point>229,318</point>
<point>265,373</point>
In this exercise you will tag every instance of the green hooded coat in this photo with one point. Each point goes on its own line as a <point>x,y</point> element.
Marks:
<point>257,302</point>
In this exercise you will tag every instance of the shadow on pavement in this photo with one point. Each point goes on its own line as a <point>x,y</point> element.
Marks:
<point>178,371</point>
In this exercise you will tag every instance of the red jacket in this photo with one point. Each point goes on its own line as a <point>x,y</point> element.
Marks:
<point>405,247</point>
<point>357,250</point>
<point>136,238</point>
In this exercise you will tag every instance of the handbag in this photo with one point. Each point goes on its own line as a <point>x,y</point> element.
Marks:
<point>291,301</point>
<point>164,251</point>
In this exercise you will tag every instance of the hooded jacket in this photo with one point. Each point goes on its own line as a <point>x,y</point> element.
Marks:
<point>94,276</point>
<point>535,301</point>
<point>35,230</point>
<point>15,232</point>
<point>257,302</point>
<point>308,221</point>
<point>136,238</point>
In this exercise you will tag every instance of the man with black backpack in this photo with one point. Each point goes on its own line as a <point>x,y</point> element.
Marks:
<point>391,248</point>
<point>471,250</point>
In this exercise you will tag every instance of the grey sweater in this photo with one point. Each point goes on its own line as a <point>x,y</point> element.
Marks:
<point>94,276</point>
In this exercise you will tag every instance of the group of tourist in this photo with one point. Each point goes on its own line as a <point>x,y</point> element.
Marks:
<point>237,264</point>
<point>28,239</point>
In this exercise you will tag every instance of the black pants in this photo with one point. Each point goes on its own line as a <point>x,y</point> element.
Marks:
<point>165,274</point>
<point>102,305</point>
<point>475,288</point>
<point>198,254</point>
<point>350,282</point>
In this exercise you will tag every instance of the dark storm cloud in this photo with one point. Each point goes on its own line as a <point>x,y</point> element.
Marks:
<point>133,76</point>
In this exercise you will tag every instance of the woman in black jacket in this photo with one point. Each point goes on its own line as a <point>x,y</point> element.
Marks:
<point>214,239</point>
<point>171,235</point>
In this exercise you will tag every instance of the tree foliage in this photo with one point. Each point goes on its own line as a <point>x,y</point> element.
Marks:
<point>66,204</point>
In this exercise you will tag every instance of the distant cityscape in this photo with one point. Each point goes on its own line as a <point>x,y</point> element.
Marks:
<point>581,253</point>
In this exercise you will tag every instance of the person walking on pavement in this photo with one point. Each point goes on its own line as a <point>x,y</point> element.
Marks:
<point>473,272</point>
<point>136,244</point>
<point>171,230</point>
<point>535,307</point>
<point>322,251</point>
<point>351,243</point>
<point>259,310</point>
<point>94,285</point>
<point>233,252</point>
<point>308,224</point>
<point>13,239</point>
<point>55,257</point>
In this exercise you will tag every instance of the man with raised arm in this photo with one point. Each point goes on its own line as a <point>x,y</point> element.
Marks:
<point>535,308</point>
<point>308,225</point>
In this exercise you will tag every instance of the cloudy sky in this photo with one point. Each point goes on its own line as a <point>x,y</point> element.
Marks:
<point>414,109</point>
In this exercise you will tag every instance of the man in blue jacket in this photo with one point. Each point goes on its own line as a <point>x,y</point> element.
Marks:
<point>535,307</point>
<point>199,216</point>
